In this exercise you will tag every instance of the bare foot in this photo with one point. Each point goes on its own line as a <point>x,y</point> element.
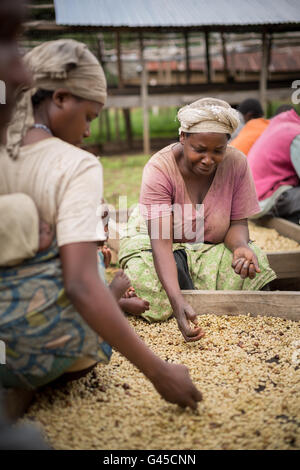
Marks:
<point>106,255</point>
<point>45,236</point>
<point>119,284</point>
<point>134,305</point>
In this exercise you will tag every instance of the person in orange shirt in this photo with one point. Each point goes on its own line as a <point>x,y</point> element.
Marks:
<point>255,124</point>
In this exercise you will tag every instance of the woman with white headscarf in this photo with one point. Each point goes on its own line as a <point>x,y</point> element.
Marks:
<point>56,315</point>
<point>196,197</point>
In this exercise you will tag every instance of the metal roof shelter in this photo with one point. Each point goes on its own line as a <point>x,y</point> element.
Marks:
<point>163,16</point>
<point>204,14</point>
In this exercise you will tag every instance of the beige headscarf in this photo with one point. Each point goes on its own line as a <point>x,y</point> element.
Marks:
<point>208,115</point>
<point>64,63</point>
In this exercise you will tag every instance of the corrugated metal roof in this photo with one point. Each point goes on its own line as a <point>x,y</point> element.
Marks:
<point>175,13</point>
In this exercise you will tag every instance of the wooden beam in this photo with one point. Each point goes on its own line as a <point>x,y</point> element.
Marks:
<point>187,57</point>
<point>48,6</point>
<point>99,40</point>
<point>180,99</point>
<point>117,125</point>
<point>101,123</point>
<point>119,60</point>
<point>270,40</point>
<point>243,29</point>
<point>107,124</point>
<point>43,25</point>
<point>127,119</point>
<point>257,303</point>
<point>264,72</point>
<point>225,60</point>
<point>208,66</point>
<point>144,99</point>
<point>286,264</point>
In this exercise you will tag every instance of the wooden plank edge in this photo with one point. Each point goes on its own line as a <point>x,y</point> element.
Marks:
<point>282,304</point>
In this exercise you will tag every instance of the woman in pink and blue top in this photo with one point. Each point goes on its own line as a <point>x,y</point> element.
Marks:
<point>275,163</point>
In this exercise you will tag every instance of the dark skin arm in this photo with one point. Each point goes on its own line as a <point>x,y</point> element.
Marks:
<point>166,269</point>
<point>244,260</point>
<point>93,300</point>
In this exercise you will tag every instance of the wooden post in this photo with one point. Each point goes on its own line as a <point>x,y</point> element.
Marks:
<point>187,57</point>
<point>100,124</point>
<point>107,125</point>
<point>126,114</point>
<point>168,73</point>
<point>117,125</point>
<point>208,67</point>
<point>99,40</point>
<point>160,75</point>
<point>226,71</point>
<point>144,99</point>
<point>264,72</point>
<point>269,51</point>
<point>120,74</point>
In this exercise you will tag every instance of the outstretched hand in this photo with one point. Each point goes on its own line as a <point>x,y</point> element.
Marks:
<point>245,262</point>
<point>185,315</point>
<point>175,385</point>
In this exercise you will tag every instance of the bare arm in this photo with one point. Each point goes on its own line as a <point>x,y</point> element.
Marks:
<point>236,240</point>
<point>93,300</point>
<point>166,269</point>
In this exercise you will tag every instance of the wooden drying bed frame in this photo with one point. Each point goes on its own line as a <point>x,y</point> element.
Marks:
<point>284,304</point>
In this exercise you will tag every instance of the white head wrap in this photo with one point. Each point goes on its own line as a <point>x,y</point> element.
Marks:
<point>208,115</point>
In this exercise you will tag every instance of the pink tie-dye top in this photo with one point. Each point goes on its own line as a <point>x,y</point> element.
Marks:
<point>231,196</point>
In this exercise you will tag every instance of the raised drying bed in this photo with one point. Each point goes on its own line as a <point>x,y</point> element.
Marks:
<point>286,263</point>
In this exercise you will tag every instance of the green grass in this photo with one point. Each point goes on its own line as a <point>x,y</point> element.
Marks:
<point>161,125</point>
<point>273,105</point>
<point>122,177</point>
<point>164,124</point>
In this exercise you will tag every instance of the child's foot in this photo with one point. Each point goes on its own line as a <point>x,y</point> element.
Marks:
<point>119,284</point>
<point>106,255</point>
<point>130,293</point>
<point>134,305</point>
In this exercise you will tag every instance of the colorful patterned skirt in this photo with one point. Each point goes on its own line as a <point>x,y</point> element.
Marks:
<point>43,333</point>
<point>209,268</point>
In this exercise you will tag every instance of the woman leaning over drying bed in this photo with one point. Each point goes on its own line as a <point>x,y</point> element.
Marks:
<point>54,307</point>
<point>208,250</point>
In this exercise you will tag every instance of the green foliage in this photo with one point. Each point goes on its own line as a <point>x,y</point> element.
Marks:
<point>161,125</point>
<point>273,105</point>
<point>122,177</point>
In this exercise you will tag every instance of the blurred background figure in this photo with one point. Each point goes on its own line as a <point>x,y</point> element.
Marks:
<point>13,74</point>
<point>275,163</point>
<point>253,125</point>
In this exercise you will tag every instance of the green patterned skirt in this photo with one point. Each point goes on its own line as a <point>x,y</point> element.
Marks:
<point>209,268</point>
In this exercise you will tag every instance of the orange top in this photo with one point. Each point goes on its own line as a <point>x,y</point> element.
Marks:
<point>249,134</point>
